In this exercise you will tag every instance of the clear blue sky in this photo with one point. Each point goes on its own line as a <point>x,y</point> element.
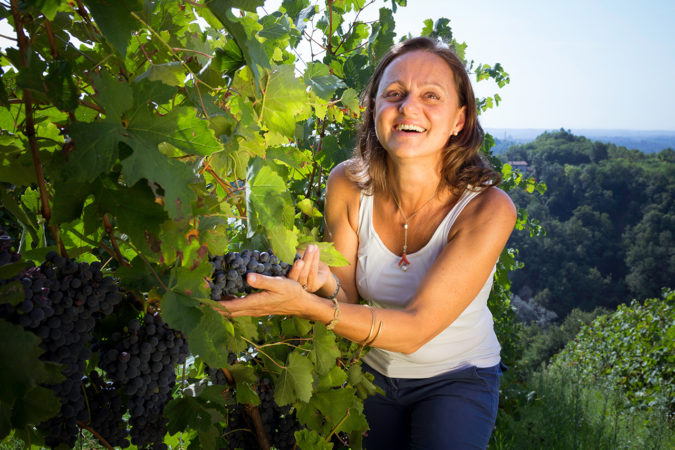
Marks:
<point>573,64</point>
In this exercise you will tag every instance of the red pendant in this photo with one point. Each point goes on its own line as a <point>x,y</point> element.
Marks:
<point>404,263</point>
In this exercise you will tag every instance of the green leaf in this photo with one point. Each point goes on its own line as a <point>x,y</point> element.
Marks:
<point>95,148</point>
<point>319,78</point>
<point>305,205</point>
<point>382,37</point>
<point>20,367</point>
<point>114,96</point>
<point>336,377</point>
<point>311,440</point>
<point>46,7</point>
<point>295,382</point>
<point>324,349</point>
<point>284,100</point>
<point>12,293</point>
<point>171,73</point>
<point>245,36</point>
<point>115,20</point>
<point>61,88</point>
<point>39,404</point>
<point>350,98</point>
<point>246,394</point>
<point>269,204</point>
<point>333,406</point>
<point>205,328</point>
<point>194,413</point>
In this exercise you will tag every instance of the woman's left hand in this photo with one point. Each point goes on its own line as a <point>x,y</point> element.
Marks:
<point>278,296</point>
<point>309,271</point>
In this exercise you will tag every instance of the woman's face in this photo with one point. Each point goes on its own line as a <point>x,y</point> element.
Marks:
<point>417,106</point>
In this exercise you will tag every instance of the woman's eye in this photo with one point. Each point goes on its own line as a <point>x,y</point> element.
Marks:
<point>392,94</point>
<point>433,96</point>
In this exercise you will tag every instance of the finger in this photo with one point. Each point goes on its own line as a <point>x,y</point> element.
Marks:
<point>258,281</point>
<point>294,273</point>
<point>307,258</point>
<point>311,260</point>
<point>314,273</point>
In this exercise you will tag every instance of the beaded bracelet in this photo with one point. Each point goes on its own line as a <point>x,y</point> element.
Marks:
<point>337,287</point>
<point>336,314</point>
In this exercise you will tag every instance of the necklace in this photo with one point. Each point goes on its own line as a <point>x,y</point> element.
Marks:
<point>404,263</point>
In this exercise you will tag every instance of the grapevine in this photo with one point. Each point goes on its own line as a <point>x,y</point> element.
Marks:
<point>168,133</point>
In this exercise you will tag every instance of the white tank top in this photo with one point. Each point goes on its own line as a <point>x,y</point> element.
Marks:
<point>469,341</point>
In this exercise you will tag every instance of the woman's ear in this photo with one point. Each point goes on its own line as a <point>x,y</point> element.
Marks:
<point>461,119</point>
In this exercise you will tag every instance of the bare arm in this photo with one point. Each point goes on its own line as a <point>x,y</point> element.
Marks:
<point>461,270</point>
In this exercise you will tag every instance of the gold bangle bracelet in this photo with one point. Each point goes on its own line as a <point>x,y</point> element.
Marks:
<point>372,326</point>
<point>379,328</point>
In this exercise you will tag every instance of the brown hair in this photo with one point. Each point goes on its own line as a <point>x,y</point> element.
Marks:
<point>463,165</point>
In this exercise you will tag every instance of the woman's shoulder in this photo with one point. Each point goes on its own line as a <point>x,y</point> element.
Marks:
<point>340,183</point>
<point>343,197</point>
<point>490,205</point>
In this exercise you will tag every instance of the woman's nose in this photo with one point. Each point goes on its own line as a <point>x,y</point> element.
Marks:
<point>408,105</point>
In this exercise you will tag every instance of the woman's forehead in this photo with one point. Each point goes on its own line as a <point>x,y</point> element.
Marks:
<point>419,66</point>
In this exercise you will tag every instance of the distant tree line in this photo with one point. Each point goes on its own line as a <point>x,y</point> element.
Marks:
<point>609,221</point>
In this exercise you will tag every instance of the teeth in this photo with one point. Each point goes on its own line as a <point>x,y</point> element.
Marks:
<point>409,127</point>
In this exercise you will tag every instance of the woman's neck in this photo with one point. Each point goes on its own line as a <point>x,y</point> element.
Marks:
<point>413,183</point>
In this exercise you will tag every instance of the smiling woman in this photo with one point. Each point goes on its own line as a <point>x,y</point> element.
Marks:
<point>417,214</point>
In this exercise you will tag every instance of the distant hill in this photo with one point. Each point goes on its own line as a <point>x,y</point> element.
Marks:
<point>646,141</point>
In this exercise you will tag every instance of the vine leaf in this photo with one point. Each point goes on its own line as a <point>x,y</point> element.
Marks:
<point>200,413</point>
<point>325,350</point>
<point>284,101</point>
<point>244,34</point>
<point>205,328</point>
<point>269,204</point>
<point>115,20</point>
<point>171,73</point>
<point>311,440</point>
<point>327,408</point>
<point>322,82</point>
<point>21,372</point>
<point>295,382</point>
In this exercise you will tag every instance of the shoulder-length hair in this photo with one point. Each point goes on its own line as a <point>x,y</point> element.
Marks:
<point>463,164</point>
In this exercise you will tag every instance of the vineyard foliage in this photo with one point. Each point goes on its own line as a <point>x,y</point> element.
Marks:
<point>632,350</point>
<point>153,135</point>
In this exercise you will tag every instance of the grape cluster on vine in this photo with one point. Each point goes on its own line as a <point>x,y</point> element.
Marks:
<point>142,360</point>
<point>279,422</point>
<point>107,409</point>
<point>230,270</point>
<point>62,301</point>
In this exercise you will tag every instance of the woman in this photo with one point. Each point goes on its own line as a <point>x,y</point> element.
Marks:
<point>417,214</point>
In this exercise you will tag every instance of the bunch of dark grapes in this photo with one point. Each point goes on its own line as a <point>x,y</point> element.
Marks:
<point>142,360</point>
<point>229,276</point>
<point>107,409</point>
<point>7,256</point>
<point>75,296</point>
<point>62,301</point>
<point>279,422</point>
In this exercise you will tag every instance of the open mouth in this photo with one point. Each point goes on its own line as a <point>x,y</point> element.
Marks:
<point>409,128</point>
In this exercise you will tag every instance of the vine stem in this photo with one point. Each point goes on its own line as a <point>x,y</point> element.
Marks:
<point>259,349</point>
<point>322,134</point>
<point>29,131</point>
<point>109,229</point>
<point>260,434</point>
<point>337,426</point>
<point>50,37</point>
<point>96,435</point>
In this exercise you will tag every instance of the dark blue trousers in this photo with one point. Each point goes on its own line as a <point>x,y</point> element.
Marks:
<point>454,410</point>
